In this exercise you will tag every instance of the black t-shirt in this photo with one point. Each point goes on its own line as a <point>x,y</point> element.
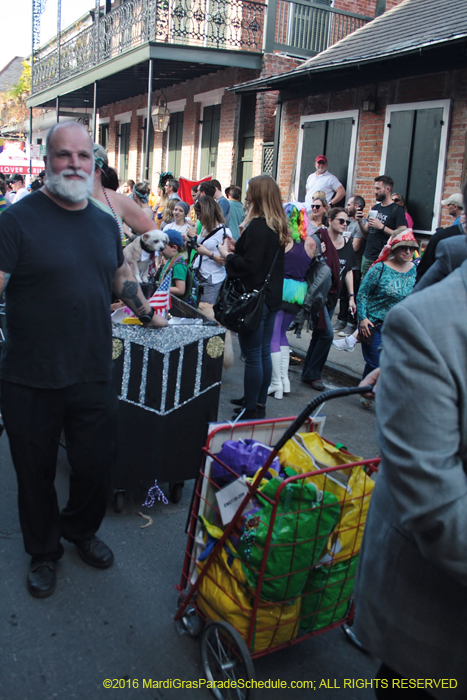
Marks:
<point>391,216</point>
<point>62,264</point>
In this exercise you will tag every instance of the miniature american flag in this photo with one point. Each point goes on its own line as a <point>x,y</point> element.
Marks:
<point>160,300</point>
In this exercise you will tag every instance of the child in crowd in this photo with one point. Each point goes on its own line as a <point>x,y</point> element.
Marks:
<point>175,263</point>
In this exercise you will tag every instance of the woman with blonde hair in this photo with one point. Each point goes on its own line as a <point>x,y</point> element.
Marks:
<point>168,213</point>
<point>258,252</point>
<point>317,214</point>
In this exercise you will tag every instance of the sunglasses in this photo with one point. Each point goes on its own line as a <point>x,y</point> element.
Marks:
<point>342,221</point>
<point>398,201</point>
<point>404,248</point>
<point>316,206</point>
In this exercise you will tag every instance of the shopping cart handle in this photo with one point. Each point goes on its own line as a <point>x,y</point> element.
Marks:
<point>314,403</point>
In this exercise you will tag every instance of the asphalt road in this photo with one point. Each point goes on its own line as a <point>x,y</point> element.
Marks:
<point>118,623</point>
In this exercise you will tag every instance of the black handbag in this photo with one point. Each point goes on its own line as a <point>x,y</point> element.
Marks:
<point>237,309</point>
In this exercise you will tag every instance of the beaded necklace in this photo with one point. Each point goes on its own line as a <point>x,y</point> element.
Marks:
<point>122,235</point>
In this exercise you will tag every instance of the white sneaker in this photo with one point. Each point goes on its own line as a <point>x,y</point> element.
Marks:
<point>343,345</point>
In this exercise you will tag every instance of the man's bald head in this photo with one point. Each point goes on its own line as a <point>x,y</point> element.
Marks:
<point>66,127</point>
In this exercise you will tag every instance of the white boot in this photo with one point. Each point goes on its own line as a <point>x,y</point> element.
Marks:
<point>276,384</point>
<point>285,357</point>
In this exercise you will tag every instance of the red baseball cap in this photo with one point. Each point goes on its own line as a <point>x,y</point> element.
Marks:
<point>323,158</point>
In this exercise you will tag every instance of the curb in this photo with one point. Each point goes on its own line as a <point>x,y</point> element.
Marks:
<point>338,371</point>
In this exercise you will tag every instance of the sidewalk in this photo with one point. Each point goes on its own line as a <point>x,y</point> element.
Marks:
<point>346,365</point>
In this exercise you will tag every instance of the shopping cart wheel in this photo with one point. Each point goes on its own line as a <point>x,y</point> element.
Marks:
<point>119,497</point>
<point>225,656</point>
<point>191,622</point>
<point>175,491</point>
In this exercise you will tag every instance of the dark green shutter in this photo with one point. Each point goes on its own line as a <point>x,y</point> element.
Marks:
<point>246,140</point>
<point>338,138</point>
<point>413,158</point>
<point>104,136</point>
<point>314,139</point>
<point>124,151</point>
<point>210,140</point>
<point>175,142</point>
<point>310,26</point>
<point>424,167</point>
<point>399,147</point>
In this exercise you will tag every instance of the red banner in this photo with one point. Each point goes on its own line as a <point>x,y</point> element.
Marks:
<point>185,187</point>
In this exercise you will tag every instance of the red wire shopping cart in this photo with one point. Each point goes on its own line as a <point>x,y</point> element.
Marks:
<point>282,569</point>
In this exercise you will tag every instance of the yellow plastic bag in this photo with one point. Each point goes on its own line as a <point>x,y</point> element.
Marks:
<point>224,595</point>
<point>308,452</point>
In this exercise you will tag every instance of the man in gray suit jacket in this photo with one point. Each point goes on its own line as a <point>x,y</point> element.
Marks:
<point>450,254</point>
<point>411,588</point>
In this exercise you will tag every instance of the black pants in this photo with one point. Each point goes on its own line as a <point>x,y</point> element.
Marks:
<point>393,692</point>
<point>34,419</point>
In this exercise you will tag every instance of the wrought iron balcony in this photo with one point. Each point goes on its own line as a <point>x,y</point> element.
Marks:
<point>299,28</point>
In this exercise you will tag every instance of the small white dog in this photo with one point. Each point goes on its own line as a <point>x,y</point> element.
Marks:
<point>138,253</point>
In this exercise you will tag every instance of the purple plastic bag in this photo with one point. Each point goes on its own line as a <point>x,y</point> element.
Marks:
<point>243,457</point>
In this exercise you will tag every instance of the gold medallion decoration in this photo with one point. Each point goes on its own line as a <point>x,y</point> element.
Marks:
<point>117,348</point>
<point>215,346</point>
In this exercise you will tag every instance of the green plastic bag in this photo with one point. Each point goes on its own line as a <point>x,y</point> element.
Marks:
<point>327,594</point>
<point>304,520</point>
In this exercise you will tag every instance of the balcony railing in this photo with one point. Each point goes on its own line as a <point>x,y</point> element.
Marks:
<point>299,28</point>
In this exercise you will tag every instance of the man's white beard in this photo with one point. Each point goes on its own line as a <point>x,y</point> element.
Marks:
<point>68,189</point>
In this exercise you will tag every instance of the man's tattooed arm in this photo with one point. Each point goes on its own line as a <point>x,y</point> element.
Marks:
<point>129,295</point>
<point>128,290</point>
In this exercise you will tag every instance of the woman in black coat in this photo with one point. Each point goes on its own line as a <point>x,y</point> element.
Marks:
<point>265,235</point>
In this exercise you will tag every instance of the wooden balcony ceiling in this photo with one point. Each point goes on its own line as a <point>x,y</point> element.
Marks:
<point>129,82</point>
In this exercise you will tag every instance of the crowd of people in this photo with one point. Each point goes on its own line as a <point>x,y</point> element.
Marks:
<point>311,256</point>
<point>370,257</point>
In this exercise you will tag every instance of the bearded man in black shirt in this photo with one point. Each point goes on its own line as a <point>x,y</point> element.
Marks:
<point>60,257</point>
<point>384,218</point>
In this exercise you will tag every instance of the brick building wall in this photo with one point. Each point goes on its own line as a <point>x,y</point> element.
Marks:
<point>229,122</point>
<point>452,85</point>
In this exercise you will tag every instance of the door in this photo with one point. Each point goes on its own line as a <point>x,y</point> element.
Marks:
<point>210,140</point>
<point>175,143</point>
<point>329,137</point>
<point>412,160</point>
